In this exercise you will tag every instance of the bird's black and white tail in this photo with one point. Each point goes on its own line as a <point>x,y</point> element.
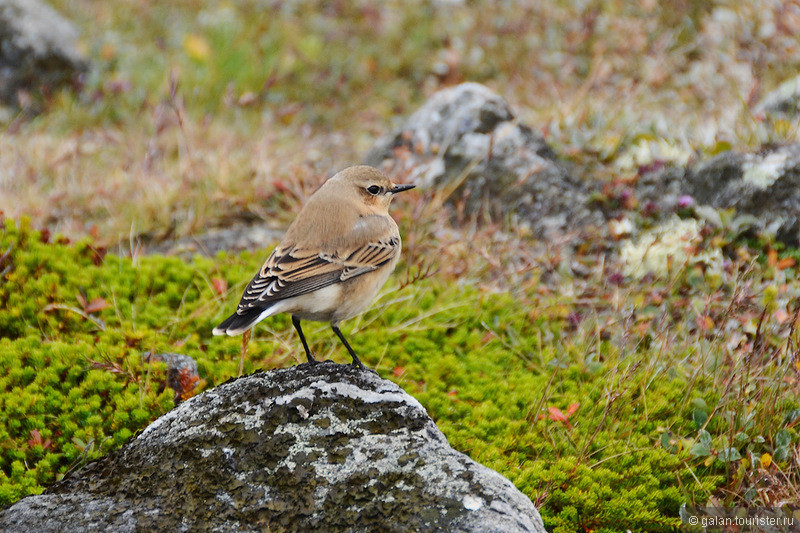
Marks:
<point>237,324</point>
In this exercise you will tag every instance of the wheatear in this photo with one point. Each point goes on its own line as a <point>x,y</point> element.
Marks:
<point>332,261</point>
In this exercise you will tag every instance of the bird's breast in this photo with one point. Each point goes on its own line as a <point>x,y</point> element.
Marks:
<point>358,293</point>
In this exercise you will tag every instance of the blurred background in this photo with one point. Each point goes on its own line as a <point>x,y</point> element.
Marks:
<point>193,113</point>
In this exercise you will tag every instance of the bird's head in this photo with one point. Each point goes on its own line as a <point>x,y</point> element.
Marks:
<point>371,188</point>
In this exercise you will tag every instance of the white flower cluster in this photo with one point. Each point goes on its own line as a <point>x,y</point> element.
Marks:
<point>667,248</point>
<point>646,151</point>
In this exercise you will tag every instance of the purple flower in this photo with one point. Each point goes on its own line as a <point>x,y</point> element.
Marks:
<point>685,201</point>
<point>616,278</point>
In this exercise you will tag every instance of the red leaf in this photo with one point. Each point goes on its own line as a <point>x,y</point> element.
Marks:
<point>398,371</point>
<point>187,381</point>
<point>572,408</point>
<point>772,257</point>
<point>81,300</point>
<point>36,438</point>
<point>98,304</point>
<point>220,286</point>
<point>556,414</point>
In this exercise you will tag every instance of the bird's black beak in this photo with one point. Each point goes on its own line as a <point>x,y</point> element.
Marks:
<point>400,188</point>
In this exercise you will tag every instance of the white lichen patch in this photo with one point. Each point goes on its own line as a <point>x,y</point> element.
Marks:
<point>302,411</point>
<point>357,393</point>
<point>472,503</point>
<point>226,498</point>
<point>762,172</point>
<point>666,248</point>
<point>254,414</point>
<point>162,430</point>
<point>620,228</point>
<point>307,394</point>
<point>246,420</point>
<point>648,151</point>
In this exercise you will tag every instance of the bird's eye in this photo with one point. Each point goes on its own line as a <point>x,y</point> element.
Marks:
<point>373,189</point>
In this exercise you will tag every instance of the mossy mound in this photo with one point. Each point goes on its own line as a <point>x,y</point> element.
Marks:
<point>604,437</point>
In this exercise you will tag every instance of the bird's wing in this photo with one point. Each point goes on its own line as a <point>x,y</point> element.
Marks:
<point>294,270</point>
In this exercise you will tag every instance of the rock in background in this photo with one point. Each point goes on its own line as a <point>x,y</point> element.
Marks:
<point>38,51</point>
<point>466,141</point>
<point>182,374</point>
<point>783,102</point>
<point>310,448</point>
<point>765,185</point>
<point>234,239</point>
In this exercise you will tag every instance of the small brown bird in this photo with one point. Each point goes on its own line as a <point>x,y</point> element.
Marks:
<point>333,260</point>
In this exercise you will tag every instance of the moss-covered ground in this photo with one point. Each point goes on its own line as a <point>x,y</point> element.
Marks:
<point>605,427</point>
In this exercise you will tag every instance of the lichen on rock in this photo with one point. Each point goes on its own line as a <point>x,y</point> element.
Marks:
<point>764,184</point>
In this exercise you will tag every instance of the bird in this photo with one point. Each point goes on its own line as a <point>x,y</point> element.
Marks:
<point>332,261</point>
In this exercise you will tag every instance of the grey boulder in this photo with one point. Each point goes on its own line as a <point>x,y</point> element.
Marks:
<point>311,448</point>
<point>38,50</point>
<point>238,238</point>
<point>763,185</point>
<point>466,141</point>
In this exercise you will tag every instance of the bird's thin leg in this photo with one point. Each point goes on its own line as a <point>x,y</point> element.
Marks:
<point>245,340</point>
<point>356,360</point>
<point>296,323</point>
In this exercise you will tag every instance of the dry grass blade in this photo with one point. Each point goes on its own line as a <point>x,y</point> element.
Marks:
<point>94,320</point>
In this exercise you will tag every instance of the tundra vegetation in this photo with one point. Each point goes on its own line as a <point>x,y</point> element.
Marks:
<point>608,388</point>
